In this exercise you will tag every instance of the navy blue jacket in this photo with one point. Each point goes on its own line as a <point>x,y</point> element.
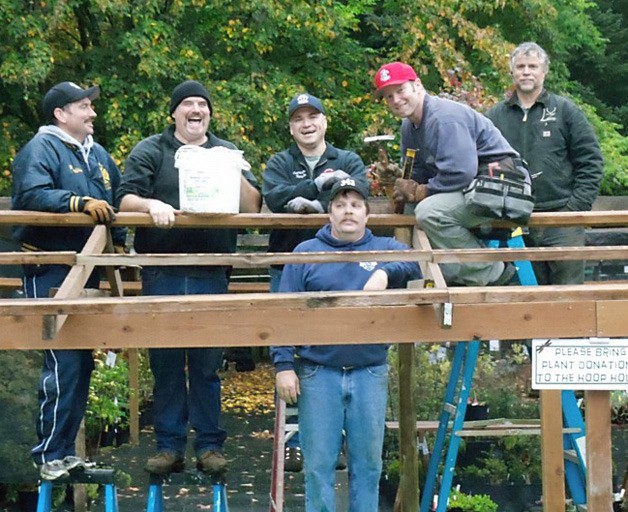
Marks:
<point>54,173</point>
<point>287,175</point>
<point>340,276</point>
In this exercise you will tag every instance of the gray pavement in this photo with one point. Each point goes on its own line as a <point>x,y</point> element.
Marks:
<point>249,452</point>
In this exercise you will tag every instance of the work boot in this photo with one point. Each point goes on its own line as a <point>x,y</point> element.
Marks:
<point>293,459</point>
<point>164,463</point>
<point>506,276</point>
<point>211,462</point>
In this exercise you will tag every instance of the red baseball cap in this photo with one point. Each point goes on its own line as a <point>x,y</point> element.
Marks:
<point>394,73</point>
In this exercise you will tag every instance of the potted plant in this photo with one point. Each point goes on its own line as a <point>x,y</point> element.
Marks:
<point>461,502</point>
<point>108,402</point>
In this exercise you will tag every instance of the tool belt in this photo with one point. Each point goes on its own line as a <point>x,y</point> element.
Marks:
<point>501,190</point>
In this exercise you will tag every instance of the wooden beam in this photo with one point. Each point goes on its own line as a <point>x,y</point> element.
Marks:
<point>75,281</point>
<point>617,218</point>
<point>552,457</point>
<point>264,260</point>
<point>259,326</point>
<point>604,294</point>
<point>598,453</point>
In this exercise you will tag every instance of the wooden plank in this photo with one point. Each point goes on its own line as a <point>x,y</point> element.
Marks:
<point>112,272</point>
<point>610,315</point>
<point>258,326</point>
<point>617,218</point>
<point>552,451</point>
<point>263,260</point>
<point>75,281</point>
<point>464,296</point>
<point>598,453</point>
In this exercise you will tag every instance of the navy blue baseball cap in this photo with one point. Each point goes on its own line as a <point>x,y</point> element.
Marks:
<point>305,100</point>
<point>348,184</point>
<point>58,96</point>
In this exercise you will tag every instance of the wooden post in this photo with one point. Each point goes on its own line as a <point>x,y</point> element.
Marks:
<point>408,460</point>
<point>552,455</point>
<point>598,452</point>
<point>78,490</point>
<point>134,387</point>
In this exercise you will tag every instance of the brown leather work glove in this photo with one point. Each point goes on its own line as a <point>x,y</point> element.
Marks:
<point>101,211</point>
<point>409,191</point>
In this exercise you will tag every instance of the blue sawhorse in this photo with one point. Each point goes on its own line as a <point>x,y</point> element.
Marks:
<point>155,489</point>
<point>104,477</point>
<point>457,395</point>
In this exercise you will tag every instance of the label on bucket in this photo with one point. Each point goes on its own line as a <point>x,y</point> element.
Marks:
<point>209,179</point>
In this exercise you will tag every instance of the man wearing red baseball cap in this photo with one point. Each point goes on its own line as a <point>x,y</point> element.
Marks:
<point>451,142</point>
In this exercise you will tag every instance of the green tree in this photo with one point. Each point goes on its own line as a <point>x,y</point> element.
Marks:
<point>255,55</point>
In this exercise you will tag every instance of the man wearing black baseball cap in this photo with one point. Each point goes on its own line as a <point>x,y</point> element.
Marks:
<point>60,170</point>
<point>341,388</point>
<point>187,387</point>
<point>63,93</point>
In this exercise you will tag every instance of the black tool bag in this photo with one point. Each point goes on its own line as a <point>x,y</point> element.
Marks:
<point>501,190</point>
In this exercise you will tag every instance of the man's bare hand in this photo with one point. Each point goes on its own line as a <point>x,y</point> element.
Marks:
<point>287,384</point>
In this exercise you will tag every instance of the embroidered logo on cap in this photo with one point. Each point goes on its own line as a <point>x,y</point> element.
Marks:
<point>347,182</point>
<point>304,98</point>
<point>384,76</point>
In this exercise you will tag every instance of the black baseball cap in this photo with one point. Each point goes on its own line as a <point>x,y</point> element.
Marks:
<point>305,100</point>
<point>58,96</point>
<point>348,184</point>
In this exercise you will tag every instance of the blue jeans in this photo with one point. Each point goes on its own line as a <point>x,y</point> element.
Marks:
<point>174,401</point>
<point>333,400</point>
<point>64,381</point>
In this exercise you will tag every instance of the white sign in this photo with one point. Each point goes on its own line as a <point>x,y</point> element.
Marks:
<point>587,364</point>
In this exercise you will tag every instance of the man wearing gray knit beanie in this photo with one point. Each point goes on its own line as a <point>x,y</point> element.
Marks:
<point>151,184</point>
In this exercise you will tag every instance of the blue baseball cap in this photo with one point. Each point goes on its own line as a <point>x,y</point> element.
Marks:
<point>305,100</point>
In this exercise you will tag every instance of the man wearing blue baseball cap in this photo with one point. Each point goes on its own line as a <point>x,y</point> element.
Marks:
<point>341,388</point>
<point>299,180</point>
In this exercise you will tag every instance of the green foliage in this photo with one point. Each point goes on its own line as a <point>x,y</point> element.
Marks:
<point>255,55</point>
<point>615,150</point>
<point>19,375</point>
<point>108,400</point>
<point>461,502</point>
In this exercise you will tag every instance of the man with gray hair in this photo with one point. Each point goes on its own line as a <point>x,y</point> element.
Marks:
<point>555,138</point>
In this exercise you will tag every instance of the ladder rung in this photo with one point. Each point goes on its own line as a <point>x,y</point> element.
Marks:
<point>572,456</point>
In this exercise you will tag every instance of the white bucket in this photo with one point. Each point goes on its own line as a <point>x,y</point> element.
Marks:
<point>209,179</point>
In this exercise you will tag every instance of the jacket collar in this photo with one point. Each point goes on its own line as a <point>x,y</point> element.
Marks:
<point>543,99</point>
<point>330,152</point>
